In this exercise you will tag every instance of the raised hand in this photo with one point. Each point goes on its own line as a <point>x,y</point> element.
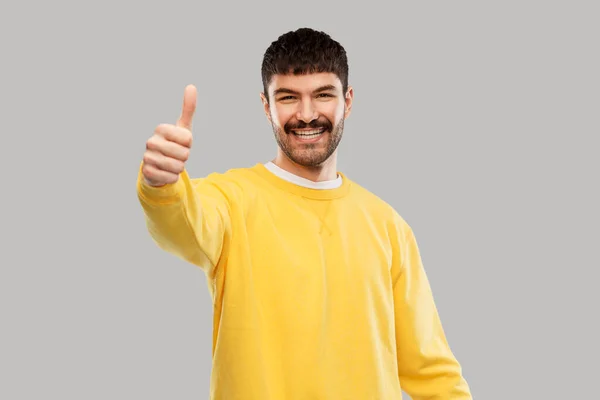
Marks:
<point>169,147</point>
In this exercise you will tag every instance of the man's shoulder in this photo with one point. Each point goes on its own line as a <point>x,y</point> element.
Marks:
<point>233,174</point>
<point>376,204</point>
<point>235,182</point>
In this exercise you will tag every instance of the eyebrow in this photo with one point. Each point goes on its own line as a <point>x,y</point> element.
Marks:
<point>317,90</point>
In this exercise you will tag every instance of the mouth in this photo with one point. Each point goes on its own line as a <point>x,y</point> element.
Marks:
<point>308,134</point>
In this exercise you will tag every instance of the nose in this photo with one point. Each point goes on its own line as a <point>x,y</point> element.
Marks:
<point>307,112</point>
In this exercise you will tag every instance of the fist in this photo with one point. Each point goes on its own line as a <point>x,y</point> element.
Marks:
<point>169,147</point>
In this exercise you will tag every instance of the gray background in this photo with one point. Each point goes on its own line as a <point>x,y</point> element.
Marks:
<point>477,121</point>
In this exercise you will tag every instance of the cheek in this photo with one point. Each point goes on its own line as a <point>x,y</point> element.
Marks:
<point>333,112</point>
<point>280,117</point>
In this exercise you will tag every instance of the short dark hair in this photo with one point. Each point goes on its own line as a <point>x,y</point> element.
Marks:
<point>304,51</point>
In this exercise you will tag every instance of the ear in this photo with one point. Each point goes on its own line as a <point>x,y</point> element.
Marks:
<point>266,108</point>
<point>348,101</point>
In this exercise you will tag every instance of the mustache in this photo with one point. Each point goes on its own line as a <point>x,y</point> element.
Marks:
<point>311,125</point>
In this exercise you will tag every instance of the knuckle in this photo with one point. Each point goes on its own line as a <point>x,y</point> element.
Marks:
<point>172,178</point>
<point>151,143</point>
<point>157,146</point>
<point>163,129</point>
<point>186,154</point>
<point>175,165</point>
<point>184,136</point>
<point>147,171</point>
<point>188,136</point>
<point>147,159</point>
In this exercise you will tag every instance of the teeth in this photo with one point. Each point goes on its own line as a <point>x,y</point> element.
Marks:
<point>309,133</point>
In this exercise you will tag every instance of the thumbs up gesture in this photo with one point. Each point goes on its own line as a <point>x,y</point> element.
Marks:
<point>169,147</point>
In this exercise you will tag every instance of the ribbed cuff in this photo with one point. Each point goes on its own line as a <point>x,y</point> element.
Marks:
<point>159,194</point>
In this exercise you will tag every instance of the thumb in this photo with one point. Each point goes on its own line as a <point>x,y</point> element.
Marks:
<point>189,107</point>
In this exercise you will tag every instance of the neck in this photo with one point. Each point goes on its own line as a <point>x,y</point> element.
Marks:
<point>324,172</point>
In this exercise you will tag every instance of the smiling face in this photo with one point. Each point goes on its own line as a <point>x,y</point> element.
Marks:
<point>307,113</point>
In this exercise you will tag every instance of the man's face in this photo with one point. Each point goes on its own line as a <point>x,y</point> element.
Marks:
<point>307,113</point>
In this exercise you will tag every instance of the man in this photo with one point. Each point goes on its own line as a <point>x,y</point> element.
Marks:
<point>318,287</point>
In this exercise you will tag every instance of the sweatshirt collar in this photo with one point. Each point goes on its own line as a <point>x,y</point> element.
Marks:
<point>320,193</point>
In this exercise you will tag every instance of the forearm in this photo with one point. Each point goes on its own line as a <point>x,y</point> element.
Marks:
<point>175,221</point>
<point>427,368</point>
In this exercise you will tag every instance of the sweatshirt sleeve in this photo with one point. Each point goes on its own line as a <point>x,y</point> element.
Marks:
<point>189,219</point>
<point>427,367</point>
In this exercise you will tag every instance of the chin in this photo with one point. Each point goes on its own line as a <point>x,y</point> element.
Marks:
<point>312,160</point>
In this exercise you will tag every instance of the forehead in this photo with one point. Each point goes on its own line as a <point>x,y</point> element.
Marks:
<point>305,82</point>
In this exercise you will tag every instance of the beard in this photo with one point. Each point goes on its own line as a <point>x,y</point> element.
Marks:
<point>309,154</point>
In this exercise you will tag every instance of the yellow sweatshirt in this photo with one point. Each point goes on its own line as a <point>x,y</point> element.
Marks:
<point>317,294</point>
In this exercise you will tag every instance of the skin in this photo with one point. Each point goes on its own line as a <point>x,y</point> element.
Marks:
<point>169,147</point>
<point>295,102</point>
